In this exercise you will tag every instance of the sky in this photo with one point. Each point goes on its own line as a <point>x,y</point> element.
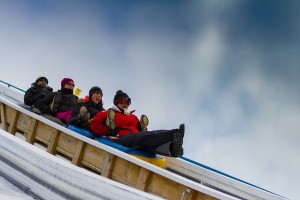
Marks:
<point>229,70</point>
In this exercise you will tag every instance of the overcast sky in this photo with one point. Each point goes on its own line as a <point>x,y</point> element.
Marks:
<point>229,71</point>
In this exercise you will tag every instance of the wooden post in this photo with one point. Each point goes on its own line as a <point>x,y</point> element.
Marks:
<point>144,179</point>
<point>31,134</point>
<point>14,120</point>
<point>53,141</point>
<point>3,117</point>
<point>79,153</point>
<point>108,164</point>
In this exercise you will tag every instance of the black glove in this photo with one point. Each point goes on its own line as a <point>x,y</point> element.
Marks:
<point>40,96</point>
<point>113,132</point>
<point>50,89</point>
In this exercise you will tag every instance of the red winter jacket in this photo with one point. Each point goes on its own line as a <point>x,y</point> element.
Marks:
<point>125,123</point>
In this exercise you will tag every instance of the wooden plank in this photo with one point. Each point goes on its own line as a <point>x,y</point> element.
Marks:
<point>125,172</point>
<point>144,179</point>
<point>79,153</point>
<point>93,158</point>
<point>13,126</point>
<point>24,122</point>
<point>3,116</point>
<point>108,165</point>
<point>67,145</point>
<point>201,196</point>
<point>164,187</point>
<point>43,133</point>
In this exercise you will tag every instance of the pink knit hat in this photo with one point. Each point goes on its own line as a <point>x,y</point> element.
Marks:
<point>65,80</point>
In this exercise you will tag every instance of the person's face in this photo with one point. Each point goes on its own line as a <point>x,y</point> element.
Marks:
<point>96,97</point>
<point>42,82</point>
<point>69,85</point>
<point>124,103</point>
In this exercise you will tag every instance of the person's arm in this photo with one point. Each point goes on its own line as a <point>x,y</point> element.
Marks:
<point>98,124</point>
<point>44,104</point>
<point>28,97</point>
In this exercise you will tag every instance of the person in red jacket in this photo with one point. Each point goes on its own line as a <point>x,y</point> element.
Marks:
<point>123,127</point>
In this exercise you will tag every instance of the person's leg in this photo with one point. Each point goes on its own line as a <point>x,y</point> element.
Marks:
<point>163,142</point>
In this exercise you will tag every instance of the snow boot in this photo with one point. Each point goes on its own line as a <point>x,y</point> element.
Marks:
<point>181,129</point>
<point>176,146</point>
<point>83,115</point>
<point>144,121</point>
<point>111,123</point>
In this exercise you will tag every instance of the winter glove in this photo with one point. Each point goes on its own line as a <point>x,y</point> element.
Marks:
<point>50,89</point>
<point>40,96</point>
<point>113,132</point>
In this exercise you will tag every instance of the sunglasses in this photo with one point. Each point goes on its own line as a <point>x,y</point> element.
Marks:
<point>70,84</point>
<point>124,101</point>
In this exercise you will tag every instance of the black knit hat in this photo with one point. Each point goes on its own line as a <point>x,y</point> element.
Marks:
<point>41,79</point>
<point>93,90</point>
<point>119,95</point>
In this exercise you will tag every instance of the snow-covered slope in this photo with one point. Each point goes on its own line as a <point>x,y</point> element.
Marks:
<point>50,177</point>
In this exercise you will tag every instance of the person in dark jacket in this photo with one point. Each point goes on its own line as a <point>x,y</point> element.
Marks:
<point>123,127</point>
<point>38,90</point>
<point>60,104</point>
<point>86,109</point>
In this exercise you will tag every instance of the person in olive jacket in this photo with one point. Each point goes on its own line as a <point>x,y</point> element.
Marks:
<point>60,104</point>
<point>87,108</point>
<point>38,90</point>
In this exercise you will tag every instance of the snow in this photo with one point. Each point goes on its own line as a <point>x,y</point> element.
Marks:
<point>49,174</point>
<point>10,192</point>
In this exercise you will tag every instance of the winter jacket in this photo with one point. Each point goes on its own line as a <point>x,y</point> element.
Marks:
<point>60,101</point>
<point>125,123</point>
<point>92,108</point>
<point>35,93</point>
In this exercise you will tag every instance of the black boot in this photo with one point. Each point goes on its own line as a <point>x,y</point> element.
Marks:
<point>176,146</point>
<point>181,129</point>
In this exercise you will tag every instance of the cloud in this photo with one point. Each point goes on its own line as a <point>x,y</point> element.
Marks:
<point>206,65</point>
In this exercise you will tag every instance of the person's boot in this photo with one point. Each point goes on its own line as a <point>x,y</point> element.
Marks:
<point>176,146</point>
<point>181,129</point>
<point>83,115</point>
<point>144,121</point>
<point>81,118</point>
<point>111,123</point>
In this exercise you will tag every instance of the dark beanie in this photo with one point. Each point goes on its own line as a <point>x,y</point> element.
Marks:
<point>65,80</point>
<point>41,79</point>
<point>93,90</point>
<point>119,95</point>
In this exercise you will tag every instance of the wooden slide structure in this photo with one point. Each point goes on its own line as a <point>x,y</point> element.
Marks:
<point>180,180</point>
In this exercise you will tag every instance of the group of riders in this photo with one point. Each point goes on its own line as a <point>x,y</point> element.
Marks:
<point>117,123</point>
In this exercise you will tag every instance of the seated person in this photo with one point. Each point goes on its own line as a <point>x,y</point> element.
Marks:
<point>38,90</point>
<point>86,109</point>
<point>60,104</point>
<point>123,127</point>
